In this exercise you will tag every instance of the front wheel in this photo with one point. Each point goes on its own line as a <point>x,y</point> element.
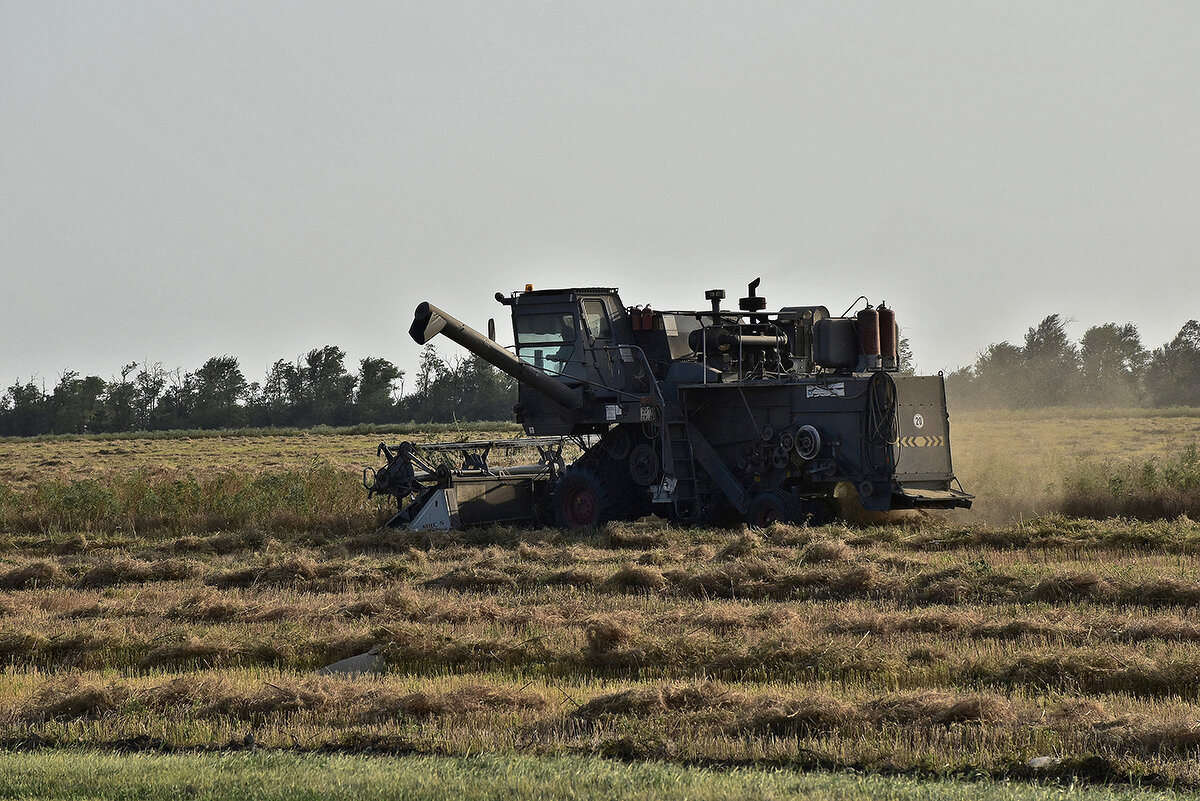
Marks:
<point>580,500</point>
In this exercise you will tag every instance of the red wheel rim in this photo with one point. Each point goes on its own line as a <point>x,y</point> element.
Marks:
<point>579,506</point>
<point>767,515</point>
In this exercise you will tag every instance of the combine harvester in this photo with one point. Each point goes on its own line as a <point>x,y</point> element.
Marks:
<point>709,416</point>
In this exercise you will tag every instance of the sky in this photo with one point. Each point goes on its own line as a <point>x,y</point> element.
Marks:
<point>193,179</point>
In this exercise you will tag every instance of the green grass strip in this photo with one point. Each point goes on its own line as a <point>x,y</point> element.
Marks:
<point>66,774</point>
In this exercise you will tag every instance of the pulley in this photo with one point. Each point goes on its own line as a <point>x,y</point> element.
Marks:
<point>808,443</point>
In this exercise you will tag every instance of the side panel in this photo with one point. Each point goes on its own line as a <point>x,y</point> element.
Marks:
<point>753,428</point>
<point>492,499</point>
<point>923,439</point>
<point>890,440</point>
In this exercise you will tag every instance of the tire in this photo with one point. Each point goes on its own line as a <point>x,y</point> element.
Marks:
<point>580,500</point>
<point>770,507</point>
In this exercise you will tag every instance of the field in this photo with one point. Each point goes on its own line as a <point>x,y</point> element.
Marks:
<point>172,597</point>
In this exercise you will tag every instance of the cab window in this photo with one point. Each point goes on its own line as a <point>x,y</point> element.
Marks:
<point>596,317</point>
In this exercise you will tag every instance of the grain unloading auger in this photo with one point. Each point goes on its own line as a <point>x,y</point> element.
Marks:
<point>699,416</point>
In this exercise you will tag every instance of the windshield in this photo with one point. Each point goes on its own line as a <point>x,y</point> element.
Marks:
<point>543,338</point>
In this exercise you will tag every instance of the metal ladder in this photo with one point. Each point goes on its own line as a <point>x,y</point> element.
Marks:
<point>679,451</point>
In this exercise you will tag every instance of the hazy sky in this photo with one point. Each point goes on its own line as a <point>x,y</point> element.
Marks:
<point>180,180</point>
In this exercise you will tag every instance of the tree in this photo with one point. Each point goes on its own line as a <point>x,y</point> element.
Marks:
<point>282,394</point>
<point>120,401</point>
<point>432,368</point>
<point>178,402</point>
<point>962,387</point>
<point>1043,372</point>
<point>328,388</point>
<point>431,402</point>
<point>220,388</point>
<point>904,357</point>
<point>376,384</point>
<point>149,382</point>
<point>1112,364</point>
<point>1173,372</point>
<point>24,410</point>
<point>1051,362</point>
<point>76,404</point>
<point>1000,378</point>
<point>485,393</point>
<point>468,389</point>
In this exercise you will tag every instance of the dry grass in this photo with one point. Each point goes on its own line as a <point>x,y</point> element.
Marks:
<point>1017,463</point>
<point>637,579</point>
<point>925,643</point>
<point>26,462</point>
<point>123,570</point>
<point>37,573</point>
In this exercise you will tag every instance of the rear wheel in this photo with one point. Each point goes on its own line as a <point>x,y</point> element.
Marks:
<point>770,507</point>
<point>580,500</point>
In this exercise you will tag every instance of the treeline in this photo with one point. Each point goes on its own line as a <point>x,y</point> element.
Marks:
<point>1107,367</point>
<point>317,389</point>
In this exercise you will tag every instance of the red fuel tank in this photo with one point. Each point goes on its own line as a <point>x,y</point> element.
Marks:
<point>889,338</point>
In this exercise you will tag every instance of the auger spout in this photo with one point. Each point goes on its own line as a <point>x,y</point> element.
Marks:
<point>429,321</point>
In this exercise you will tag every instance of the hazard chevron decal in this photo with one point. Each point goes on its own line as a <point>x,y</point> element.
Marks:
<point>922,442</point>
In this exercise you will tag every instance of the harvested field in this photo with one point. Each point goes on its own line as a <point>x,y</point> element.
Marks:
<point>937,645</point>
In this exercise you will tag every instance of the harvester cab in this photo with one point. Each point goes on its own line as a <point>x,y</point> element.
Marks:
<point>701,416</point>
<point>580,337</point>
